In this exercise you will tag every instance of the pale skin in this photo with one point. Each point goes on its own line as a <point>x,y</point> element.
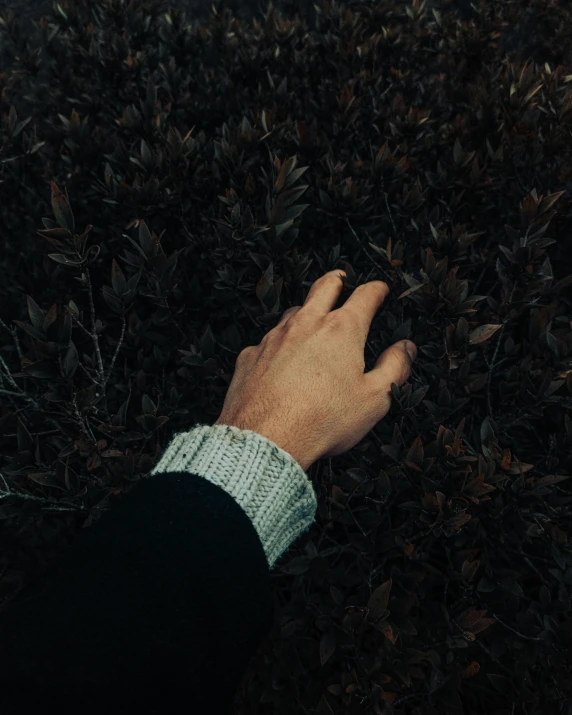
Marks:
<point>304,386</point>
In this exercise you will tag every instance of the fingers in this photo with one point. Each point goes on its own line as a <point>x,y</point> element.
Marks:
<point>324,293</point>
<point>393,365</point>
<point>363,304</point>
<point>287,314</point>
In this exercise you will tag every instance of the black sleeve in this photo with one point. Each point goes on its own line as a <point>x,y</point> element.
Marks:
<point>156,607</point>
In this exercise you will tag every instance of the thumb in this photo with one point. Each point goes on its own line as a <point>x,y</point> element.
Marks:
<point>393,365</point>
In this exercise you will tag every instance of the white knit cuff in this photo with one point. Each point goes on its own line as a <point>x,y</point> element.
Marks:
<point>266,481</point>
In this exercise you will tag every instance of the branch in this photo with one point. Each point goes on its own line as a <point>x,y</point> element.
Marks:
<point>94,335</point>
<point>382,270</point>
<point>521,635</point>
<point>13,333</point>
<point>116,351</point>
<point>55,505</point>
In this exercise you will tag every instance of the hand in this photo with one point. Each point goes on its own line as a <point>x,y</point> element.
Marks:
<point>304,386</point>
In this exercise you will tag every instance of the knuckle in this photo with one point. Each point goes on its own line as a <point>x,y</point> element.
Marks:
<point>245,354</point>
<point>291,311</point>
<point>335,320</point>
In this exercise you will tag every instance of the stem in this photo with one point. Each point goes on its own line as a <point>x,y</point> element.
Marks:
<point>116,351</point>
<point>94,335</point>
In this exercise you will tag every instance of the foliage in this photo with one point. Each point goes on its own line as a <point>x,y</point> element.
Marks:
<point>192,182</point>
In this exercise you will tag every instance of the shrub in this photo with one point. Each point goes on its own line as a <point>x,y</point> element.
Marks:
<point>191,182</point>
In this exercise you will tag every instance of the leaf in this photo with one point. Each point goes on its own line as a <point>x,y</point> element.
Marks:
<point>295,175</point>
<point>469,569</point>
<point>482,333</point>
<point>112,301</point>
<point>24,438</point>
<point>148,406</point>
<point>60,258</point>
<point>563,283</point>
<point>410,290</point>
<point>387,696</point>
<point>383,485</point>
<point>35,312</point>
<point>549,201</point>
<point>327,646</point>
<point>416,397</point>
<point>470,617</point>
<point>34,332</point>
<point>207,343</point>
<point>118,279</point>
<point>281,178</point>
<point>458,152</point>
<point>21,125</point>
<point>71,361</point>
<point>146,154</point>
<point>502,684</point>
<point>41,369</point>
<point>145,238</point>
<point>92,253</point>
<point>379,599</point>
<point>471,670</point>
<point>387,631</point>
<point>458,521</point>
<point>550,479</point>
<point>46,479</point>
<point>519,467</point>
<point>482,624</point>
<point>61,208</point>
<point>414,458</point>
<point>296,566</point>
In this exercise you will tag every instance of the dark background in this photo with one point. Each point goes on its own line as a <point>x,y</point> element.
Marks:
<point>242,9</point>
<point>201,10</point>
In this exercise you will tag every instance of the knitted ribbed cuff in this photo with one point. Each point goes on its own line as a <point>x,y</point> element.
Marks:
<point>266,481</point>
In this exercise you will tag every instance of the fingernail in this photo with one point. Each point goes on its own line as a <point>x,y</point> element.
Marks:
<point>411,350</point>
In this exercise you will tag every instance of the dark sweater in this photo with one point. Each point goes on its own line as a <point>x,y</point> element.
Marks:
<point>160,604</point>
<point>157,607</point>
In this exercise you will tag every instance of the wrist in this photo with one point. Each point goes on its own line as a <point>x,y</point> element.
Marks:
<point>297,452</point>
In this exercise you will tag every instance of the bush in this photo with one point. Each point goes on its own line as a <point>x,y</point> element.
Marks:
<point>192,182</point>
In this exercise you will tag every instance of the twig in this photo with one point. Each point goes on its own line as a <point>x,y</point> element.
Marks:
<point>405,699</point>
<point>83,424</point>
<point>16,394</point>
<point>388,207</point>
<point>174,321</point>
<point>13,333</point>
<point>537,571</point>
<point>247,311</point>
<point>116,351</point>
<point>494,660</point>
<point>94,333</point>
<point>9,377</point>
<point>56,506</point>
<point>234,352</point>
<point>91,377</point>
<point>516,421</point>
<point>521,635</point>
<point>382,270</point>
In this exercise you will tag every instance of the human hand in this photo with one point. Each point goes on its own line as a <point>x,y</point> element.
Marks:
<point>304,386</point>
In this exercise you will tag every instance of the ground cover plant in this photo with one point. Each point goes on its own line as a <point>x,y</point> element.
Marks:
<point>168,189</point>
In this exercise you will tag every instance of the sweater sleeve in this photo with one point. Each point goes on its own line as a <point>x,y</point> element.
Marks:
<point>161,603</point>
